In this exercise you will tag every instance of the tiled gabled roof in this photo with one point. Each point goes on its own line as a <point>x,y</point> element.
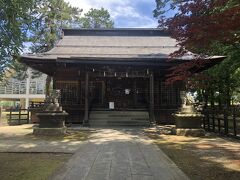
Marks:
<point>113,43</point>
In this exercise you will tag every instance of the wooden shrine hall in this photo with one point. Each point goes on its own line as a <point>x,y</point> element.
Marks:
<point>113,76</point>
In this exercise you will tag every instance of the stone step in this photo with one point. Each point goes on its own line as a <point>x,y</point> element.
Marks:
<point>120,112</point>
<point>132,123</point>
<point>119,118</point>
<point>119,123</point>
<point>119,115</point>
<point>101,116</point>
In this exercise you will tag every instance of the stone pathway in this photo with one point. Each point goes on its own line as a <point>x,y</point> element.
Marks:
<point>119,154</point>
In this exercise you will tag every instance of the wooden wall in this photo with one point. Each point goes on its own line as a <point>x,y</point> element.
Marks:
<point>166,97</point>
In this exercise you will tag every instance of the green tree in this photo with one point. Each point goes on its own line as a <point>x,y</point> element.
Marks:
<point>223,80</point>
<point>15,16</point>
<point>206,28</point>
<point>51,17</point>
<point>39,22</point>
<point>97,18</point>
<point>57,14</point>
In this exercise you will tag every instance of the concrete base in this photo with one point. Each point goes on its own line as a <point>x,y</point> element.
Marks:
<point>190,132</point>
<point>49,131</point>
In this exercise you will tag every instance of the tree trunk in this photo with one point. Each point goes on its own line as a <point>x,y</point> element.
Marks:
<point>48,84</point>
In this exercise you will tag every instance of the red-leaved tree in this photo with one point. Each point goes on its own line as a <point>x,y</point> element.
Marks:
<point>199,26</point>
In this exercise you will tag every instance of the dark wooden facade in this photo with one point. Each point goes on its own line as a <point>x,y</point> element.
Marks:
<point>124,66</point>
<point>130,90</point>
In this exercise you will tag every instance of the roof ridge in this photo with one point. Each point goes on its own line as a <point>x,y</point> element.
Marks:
<point>115,46</point>
<point>116,32</point>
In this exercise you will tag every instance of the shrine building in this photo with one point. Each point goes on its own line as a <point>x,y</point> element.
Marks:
<point>114,76</point>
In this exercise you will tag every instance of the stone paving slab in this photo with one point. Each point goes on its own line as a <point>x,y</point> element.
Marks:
<point>123,154</point>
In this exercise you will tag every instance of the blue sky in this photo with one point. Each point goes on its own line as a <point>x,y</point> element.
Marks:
<point>125,13</point>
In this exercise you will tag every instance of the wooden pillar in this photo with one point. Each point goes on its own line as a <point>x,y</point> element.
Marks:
<point>151,98</point>
<point>135,92</point>
<point>54,83</point>
<point>103,92</point>
<point>86,99</point>
<point>54,80</point>
<point>79,93</point>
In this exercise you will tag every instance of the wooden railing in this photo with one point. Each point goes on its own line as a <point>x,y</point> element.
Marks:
<point>18,117</point>
<point>225,121</point>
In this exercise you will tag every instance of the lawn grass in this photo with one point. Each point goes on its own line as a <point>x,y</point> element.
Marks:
<point>30,166</point>
<point>200,161</point>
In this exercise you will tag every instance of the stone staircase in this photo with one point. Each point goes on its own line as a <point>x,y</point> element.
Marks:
<point>119,118</point>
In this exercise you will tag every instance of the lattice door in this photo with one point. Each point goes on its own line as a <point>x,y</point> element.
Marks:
<point>70,93</point>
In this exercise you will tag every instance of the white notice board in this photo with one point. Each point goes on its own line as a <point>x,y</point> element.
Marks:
<point>111,105</point>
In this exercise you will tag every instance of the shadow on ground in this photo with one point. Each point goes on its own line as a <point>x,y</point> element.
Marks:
<point>209,157</point>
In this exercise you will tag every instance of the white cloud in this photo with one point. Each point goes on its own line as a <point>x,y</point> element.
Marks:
<point>125,13</point>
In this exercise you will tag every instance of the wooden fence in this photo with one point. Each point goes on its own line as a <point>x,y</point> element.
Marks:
<point>225,121</point>
<point>18,117</point>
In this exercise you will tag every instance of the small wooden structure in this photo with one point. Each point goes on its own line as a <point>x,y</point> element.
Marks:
<point>94,68</point>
